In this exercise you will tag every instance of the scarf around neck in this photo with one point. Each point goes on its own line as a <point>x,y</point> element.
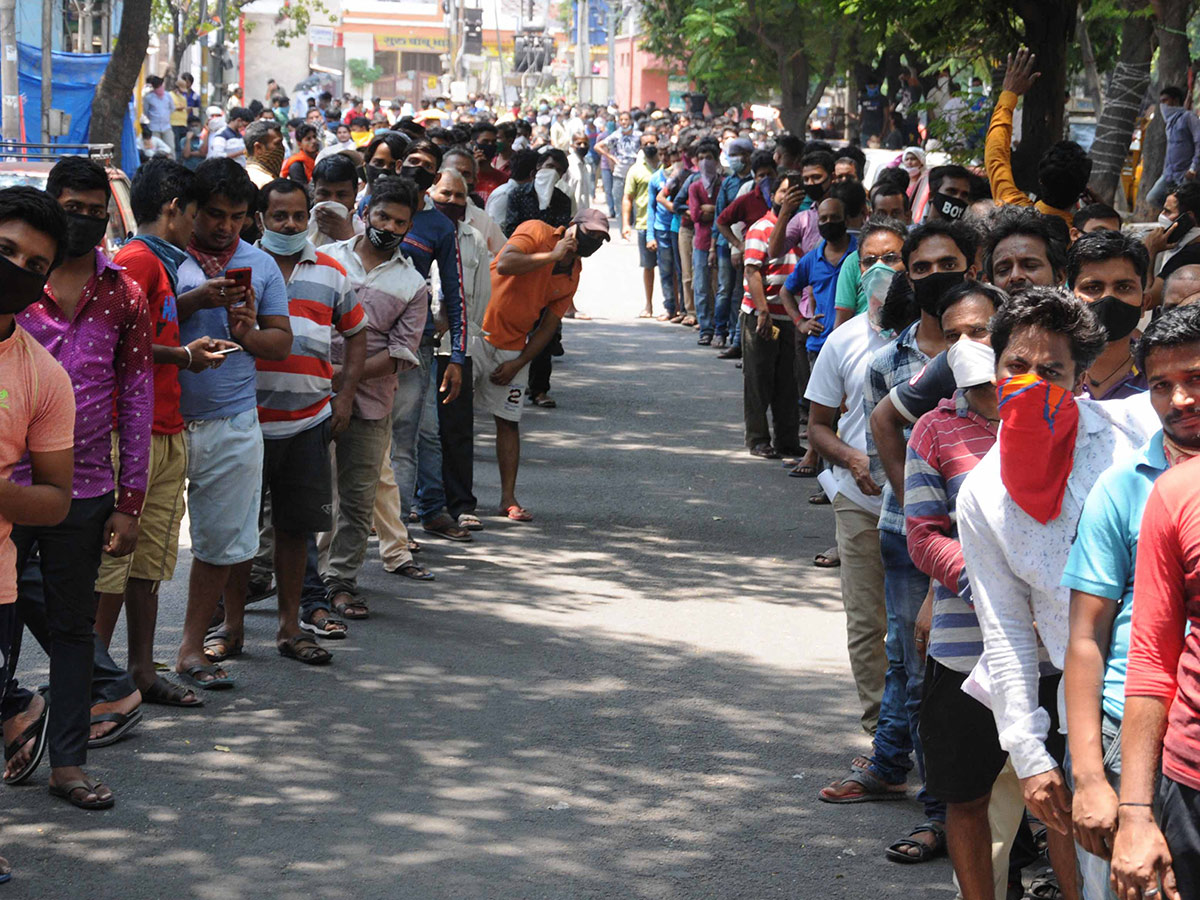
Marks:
<point>168,254</point>
<point>212,263</point>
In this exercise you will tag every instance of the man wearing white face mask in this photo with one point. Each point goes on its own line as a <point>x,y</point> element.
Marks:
<point>296,407</point>
<point>837,380</point>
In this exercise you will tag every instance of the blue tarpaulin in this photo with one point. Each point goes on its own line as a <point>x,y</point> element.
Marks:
<point>75,78</point>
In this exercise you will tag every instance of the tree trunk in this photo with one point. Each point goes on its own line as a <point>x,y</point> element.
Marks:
<point>1049,25</point>
<point>117,83</point>
<point>1127,88</point>
<point>793,87</point>
<point>1091,78</point>
<point>1170,18</point>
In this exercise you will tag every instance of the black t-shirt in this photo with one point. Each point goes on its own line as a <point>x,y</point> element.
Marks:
<point>870,111</point>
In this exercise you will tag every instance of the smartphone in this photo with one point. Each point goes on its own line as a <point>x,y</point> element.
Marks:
<point>1182,226</point>
<point>226,351</point>
<point>240,277</point>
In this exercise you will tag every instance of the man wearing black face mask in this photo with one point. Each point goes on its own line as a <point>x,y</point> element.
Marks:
<point>486,141</point>
<point>1107,269</point>
<point>949,193</point>
<point>535,275</point>
<point>431,237</point>
<point>456,420</point>
<point>88,302</point>
<point>38,416</point>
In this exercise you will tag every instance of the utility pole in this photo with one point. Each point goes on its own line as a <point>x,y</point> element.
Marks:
<point>11,112</point>
<point>47,76</point>
<point>612,50</point>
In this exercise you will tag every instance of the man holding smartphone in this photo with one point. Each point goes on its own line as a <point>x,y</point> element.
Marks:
<point>224,441</point>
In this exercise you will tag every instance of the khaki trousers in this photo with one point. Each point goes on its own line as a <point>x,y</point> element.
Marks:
<point>862,596</point>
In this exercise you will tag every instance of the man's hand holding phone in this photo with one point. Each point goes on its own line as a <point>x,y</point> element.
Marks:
<point>208,353</point>
<point>242,318</point>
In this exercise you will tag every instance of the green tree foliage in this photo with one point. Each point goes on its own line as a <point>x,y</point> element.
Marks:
<point>183,18</point>
<point>362,74</point>
<point>741,49</point>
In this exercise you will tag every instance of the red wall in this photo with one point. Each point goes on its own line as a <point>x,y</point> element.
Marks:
<point>641,76</point>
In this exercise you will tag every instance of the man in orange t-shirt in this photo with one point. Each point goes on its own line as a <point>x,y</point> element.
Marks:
<point>537,269</point>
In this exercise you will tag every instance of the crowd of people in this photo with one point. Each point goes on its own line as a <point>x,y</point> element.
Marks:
<point>987,385</point>
<point>996,392</point>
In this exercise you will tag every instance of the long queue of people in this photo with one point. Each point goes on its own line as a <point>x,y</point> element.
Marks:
<point>296,364</point>
<point>999,397</point>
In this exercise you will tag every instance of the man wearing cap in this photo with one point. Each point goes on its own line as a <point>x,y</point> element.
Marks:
<point>537,270</point>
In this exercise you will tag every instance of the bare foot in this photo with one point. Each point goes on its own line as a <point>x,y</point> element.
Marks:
<point>124,706</point>
<point>13,729</point>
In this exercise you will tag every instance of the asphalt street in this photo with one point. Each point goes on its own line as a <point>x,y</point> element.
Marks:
<point>636,695</point>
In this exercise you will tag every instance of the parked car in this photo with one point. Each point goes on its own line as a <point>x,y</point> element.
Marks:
<point>35,169</point>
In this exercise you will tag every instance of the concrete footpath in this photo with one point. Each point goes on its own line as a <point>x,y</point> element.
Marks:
<point>636,695</point>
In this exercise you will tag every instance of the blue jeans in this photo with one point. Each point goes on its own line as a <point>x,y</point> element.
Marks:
<point>1157,195</point>
<point>607,179</point>
<point>431,492</point>
<point>412,386</point>
<point>1094,870</point>
<point>702,290</point>
<point>729,301</point>
<point>904,589</point>
<point>667,251</point>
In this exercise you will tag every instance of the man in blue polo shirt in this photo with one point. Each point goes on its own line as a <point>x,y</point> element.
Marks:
<point>818,269</point>
<point>225,446</point>
<point>1100,572</point>
<point>432,238</point>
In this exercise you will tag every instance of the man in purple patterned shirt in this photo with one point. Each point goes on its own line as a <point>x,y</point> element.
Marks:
<point>95,321</point>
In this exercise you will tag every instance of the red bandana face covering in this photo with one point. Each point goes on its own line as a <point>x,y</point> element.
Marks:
<point>1037,443</point>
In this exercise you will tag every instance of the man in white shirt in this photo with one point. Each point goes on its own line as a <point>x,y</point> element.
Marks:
<point>580,180</point>
<point>837,380</point>
<point>468,167</point>
<point>1017,512</point>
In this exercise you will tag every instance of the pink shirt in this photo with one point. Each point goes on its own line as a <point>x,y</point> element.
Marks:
<point>105,349</point>
<point>37,414</point>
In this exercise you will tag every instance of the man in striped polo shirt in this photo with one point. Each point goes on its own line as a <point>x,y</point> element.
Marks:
<point>769,340</point>
<point>298,414</point>
<point>963,757</point>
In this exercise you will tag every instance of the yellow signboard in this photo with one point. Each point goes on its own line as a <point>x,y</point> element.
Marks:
<point>412,42</point>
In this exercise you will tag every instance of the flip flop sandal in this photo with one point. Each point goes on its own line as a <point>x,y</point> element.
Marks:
<point>873,789</point>
<point>67,792</point>
<point>37,731</point>
<point>470,521</point>
<point>352,609</point>
<point>125,724</point>
<point>166,693</point>
<point>1044,886</point>
<point>544,402</point>
<point>304,649</point>
<point>828,559</point>
<point>820,498</point>
<point>415,572</point>
<point>803,471</point>
<point>215,681</point>
<point>321,629</point>
<point>898,852</point>
<point>218,647</point>
<point>516,513</point>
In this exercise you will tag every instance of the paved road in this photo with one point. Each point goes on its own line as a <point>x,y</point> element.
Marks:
<point>637,695</point>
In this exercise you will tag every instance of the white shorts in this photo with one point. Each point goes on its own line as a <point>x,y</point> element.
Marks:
<point>504,401</point>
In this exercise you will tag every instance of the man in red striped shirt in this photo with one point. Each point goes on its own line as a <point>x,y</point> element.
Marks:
<point>769,341</point>
<point>298,414</point>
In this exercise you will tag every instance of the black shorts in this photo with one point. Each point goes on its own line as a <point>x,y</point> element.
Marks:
<point>963,756</point>
<point>298,474</point>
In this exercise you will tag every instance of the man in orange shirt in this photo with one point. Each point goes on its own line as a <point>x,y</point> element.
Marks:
<point>537,269</point>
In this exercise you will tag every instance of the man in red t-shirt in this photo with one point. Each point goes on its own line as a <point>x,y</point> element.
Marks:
<point>164,211</point>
